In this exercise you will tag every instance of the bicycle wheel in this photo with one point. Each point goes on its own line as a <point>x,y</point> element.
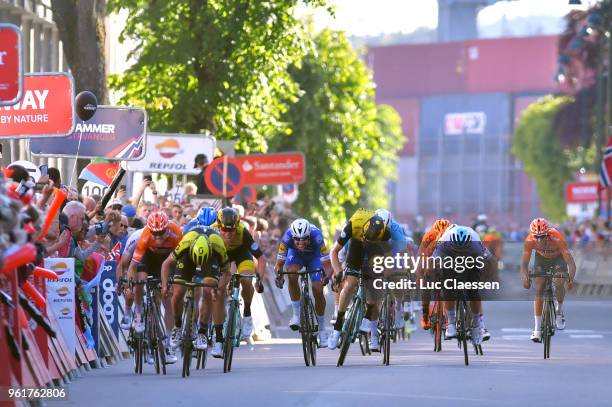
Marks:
<point>462,329</point>
<point>347,335</point>
<point>305,330</point>
<point>437,326</point>
<point>186,337</point>
<point>137,341</point>
<point>160,336</point>
<point>387,330</point>
<point>313,334</point>
<point>363,344</point>
<point>547,322</point>
<point>228,340</point>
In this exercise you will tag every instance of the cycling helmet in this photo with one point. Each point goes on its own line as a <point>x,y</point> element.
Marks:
<point>157,221</point>
<point>461,237</point>
<point>441,225</point>
<point>373,228</point>
<point>539,226</point>
<point>207,216</point>
<point>228,218</point>
<point>300,229</point>
<point>385,215</point>
<point>200,250</point>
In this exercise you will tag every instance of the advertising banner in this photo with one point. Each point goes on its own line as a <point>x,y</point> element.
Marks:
<point>270,169</point>
<point>174,153</point>
<point>113,133</point>
<point>108,296</point>
<point>61,297</point>
<point>45,110</point>
<point>11,64</point>
<point>465,123</point>
<point>581,192</point>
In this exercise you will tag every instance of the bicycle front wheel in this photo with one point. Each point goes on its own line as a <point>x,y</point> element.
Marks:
<point>462,329</point>
<point>387,330</point>
<point>305,331</point>
<point>228,340</point>
<point>186,337</point>
<point>547,322</point>
<point>313,334</point>
<point>347,335</point>
<point>438,325</point>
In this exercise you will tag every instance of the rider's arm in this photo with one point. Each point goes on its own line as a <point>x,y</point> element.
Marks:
<point>281,255</point>
<point>525,260</point>
<point>569,259</point>
<point>166,267</point>
<point>333,257</point>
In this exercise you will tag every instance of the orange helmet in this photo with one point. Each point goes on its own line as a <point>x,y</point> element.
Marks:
<point>440,225</point>
<point>157,222</point>
<point>539,226</point>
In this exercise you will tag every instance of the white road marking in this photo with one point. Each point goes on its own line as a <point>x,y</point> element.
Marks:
<point>373,394</point>
<point>594,336</point>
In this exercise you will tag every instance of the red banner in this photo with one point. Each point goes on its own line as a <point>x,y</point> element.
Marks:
<point>45,110</point>
<point>11,64</point>
<point>267,169</point>
<point>581,192</point>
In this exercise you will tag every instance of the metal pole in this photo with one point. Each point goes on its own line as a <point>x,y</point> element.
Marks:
<point>599,115</point>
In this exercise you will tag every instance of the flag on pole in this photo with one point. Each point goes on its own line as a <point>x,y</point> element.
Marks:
<point>605,174</point>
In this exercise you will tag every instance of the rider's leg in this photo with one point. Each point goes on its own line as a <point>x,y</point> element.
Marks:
<point>350,285</point>
<point>294,290</point>
<point>205,309</point>
<point>538,303</point>
<point>319,300</point>
<point>178,292</point>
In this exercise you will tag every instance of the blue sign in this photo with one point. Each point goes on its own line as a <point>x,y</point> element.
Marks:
<point>95,326</point>
<point>214,176</point>
<point>114,133</point>
<point>108,296</point>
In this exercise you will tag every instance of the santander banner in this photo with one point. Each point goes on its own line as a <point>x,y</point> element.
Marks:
<point>581,192</point>
<point>45,110</point>
<point>267,169</point>
<point>11,64</point>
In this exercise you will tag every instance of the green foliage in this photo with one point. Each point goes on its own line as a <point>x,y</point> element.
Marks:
<point>345,138</point>
<point>537,146</point>
<point>217,65</point>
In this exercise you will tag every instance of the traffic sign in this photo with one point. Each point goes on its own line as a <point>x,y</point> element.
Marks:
<point>11,64</point>
<point>270,169</point>
<point>248,193</point>
<point>224,176</point>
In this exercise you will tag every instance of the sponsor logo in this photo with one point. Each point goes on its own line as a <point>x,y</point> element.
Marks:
<point>169,148</point>
<point>100,128</point>
<point>62,291</point>
<point>108,300</point>
<point>59,268</point>
<point>65,311</point>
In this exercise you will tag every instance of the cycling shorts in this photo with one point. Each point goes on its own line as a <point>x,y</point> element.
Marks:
<point>243,259</point>
<point>311,262</point>
<point>186,269</point>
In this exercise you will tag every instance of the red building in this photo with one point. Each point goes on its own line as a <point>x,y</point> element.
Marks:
<point>459,103</point>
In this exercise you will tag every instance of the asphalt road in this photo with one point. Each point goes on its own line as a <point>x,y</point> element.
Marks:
<point>511,372</point>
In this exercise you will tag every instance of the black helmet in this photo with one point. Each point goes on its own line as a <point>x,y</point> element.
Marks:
<point>228,218</point>
<point>373,228</point>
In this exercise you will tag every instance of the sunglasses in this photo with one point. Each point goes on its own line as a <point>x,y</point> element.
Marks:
<point>301,239</point>
<point>159,234</point>
<point>540,236</point>
<point>228,230</point>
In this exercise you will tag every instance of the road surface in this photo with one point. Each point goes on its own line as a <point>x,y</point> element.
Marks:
<point>511,372</point>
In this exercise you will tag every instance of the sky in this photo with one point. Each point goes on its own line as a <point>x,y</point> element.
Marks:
<point>373,17</point>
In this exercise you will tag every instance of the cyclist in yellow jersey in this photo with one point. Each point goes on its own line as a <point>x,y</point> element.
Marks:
<point>201,253</point>
<point>364,227</point>
<point>241,248</point>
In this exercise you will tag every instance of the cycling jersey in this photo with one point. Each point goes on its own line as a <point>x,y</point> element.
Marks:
<point>399,241</point>
<point>316,243</point>
<point>242,239</point>
<point>353,229</point>
<point>148,243</point>
<point>216,243</point>
<point>186,268</point>
<point>191,225</point>
<point>130,246</point>
<point>445,246</point>
<point>550,247</point>
<point>428,243</point>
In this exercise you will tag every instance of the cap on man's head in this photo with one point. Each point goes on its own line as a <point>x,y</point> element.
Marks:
<point>129,211</point>
<point>200,159</point>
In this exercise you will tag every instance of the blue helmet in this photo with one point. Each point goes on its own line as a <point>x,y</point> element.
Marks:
<point>461,237</point>
<point>207,216</point>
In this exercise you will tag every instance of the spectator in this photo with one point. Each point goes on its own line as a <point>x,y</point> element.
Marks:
<point>55,176</point>
<point>201,162</point>
<point>177,214</point>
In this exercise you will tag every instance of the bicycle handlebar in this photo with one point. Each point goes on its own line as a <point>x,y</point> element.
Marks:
<point>186,283</point>
<point>300,273</point>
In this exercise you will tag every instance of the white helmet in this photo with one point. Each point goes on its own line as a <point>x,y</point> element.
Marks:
<point>300,228</point>
<point>385,215</point>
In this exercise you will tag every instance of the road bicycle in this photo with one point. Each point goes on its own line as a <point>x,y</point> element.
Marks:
<point>350,327</point>
<point>232,328</point>
<point>548,310</point>
<point>309,328</point>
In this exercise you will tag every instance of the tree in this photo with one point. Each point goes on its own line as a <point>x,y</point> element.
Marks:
<point>216,65</point>
<point>536,144</point>
<point>336,124</point>
<point>81,27</point>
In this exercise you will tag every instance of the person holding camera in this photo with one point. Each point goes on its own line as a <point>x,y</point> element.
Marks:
<point>113,228</point>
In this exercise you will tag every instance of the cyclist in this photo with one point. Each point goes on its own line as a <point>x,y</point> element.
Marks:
<point>241,248</point>
<point>303,245</point>
<point>463,242</point>
<point>122,269</point>
<point>202,253</point>
<point>206,216</point>
<point>362,228</point>
<point>426,249</point>
<point>399,244</point>
<point>158,239</point>
<point>551,252</point>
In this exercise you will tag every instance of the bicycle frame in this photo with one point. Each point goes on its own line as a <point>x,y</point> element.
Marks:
<point>350,327</point>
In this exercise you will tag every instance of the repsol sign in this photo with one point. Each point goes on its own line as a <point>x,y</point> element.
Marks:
<point>168,166</point>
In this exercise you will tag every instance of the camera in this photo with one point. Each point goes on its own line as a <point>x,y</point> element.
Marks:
<point>101,228</point>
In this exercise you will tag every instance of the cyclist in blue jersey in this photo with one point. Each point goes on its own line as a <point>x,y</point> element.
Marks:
<point>206,216</point>
<point>303,245</point>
